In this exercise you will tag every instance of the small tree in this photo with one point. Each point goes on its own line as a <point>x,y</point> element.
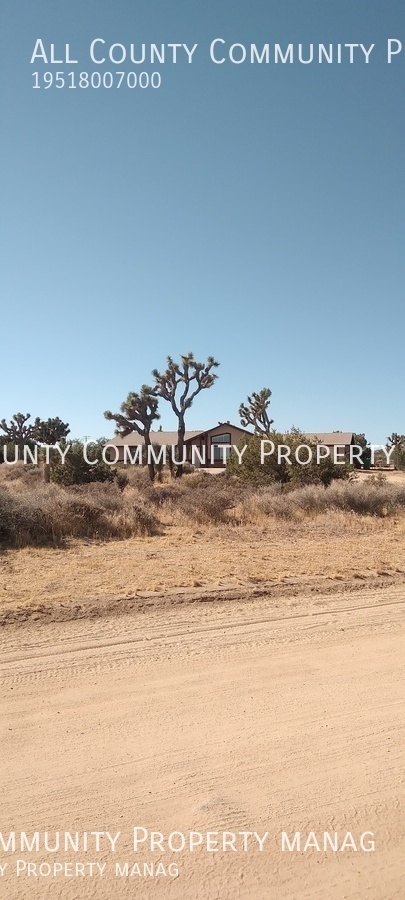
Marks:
<point>179,385</point>
<point>138,412</point>
<point>251,469</point>
<point>254,412</point>
<point>76,470</point>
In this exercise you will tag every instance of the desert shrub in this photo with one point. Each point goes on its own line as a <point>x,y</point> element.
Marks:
<point>9,450</point>
<point>69,516</point>
<point>38,513</point>
<point>272,501</point>
<point>141,520</point>
<point>378,480</point>
<point>165,495</point>
<point>76,470</point>
<point>122,480</point>
<point>188,469</point>
<point>204,507</point>
<point>209,498</point>
<point>136,477</point>
<point>367,499</point>
<point>25,475</point>
<point>203,480</point>
<point>22,520</point>
<point>252,471</point>
<point>375,499</point>
<point>50,514</point>
<point>105,494</point>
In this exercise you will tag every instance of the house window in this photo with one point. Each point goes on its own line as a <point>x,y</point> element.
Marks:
<point>221,439</point>
<point>221,454</point>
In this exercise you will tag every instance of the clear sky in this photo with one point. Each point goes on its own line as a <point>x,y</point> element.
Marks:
<point>252,212</point>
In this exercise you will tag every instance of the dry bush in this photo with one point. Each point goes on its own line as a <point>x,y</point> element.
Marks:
<point>165,496</point>
<point>20,522</point>
<point>32,512</point>
<point>21,474</point>
<point>199,497</point>
<point>371,499</point>
<point>270,501</point>
<point>206,499</point>
<point>136,477</point>
<point>204,507</point>
<point>203,480</point>
<point>134,519</point>
<point>105,494</point>
<point>49,514</point>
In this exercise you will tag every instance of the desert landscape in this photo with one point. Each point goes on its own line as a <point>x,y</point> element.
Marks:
<point>237,671</point>
<point>202,451</point>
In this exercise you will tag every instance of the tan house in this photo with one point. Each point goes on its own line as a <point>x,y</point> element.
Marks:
<point>204,449</point>
<point>214,446</point>
<point>211,448</point>
<point>332,439</point>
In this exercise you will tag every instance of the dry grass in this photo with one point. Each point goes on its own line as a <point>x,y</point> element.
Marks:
<point>200,532</point>
<point>32,513</point>
<point>337,545</point>
<point>47,514</point>
<point>203,500</point>
<point>374,498</point>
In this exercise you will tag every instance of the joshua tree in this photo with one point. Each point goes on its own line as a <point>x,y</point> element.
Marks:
<point>49,433</point>
<point>397,441</point>
<point>17,431</point>
<point>138,412</point>
<point>254,412</point>
<point>40,432</point>
<point>179,385</point>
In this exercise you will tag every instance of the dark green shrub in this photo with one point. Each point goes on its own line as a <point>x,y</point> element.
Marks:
<point>76,470</point>
<point>252,471</point>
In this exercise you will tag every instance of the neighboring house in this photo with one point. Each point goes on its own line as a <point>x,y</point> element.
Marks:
<point>210,444</point>
<point>332,439</point>
<point>210,449</point>
<point>205,449</point>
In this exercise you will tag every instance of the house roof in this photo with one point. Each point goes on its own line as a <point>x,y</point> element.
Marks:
<point>330,438</point>
<point>226,426</point>
<point>157,437</point>
<point>169,438</point>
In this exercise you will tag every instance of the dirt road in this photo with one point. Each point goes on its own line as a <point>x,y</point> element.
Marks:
<point>261,716</point>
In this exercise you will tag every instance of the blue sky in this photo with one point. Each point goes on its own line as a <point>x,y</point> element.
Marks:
<point>251,212</point>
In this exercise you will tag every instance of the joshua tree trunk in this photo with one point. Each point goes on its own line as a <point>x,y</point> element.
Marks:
<point>180,446</point>
<point>149,460</point>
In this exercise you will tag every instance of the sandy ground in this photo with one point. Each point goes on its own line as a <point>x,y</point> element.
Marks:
<point>393,476</point>
<point>277,714</point>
